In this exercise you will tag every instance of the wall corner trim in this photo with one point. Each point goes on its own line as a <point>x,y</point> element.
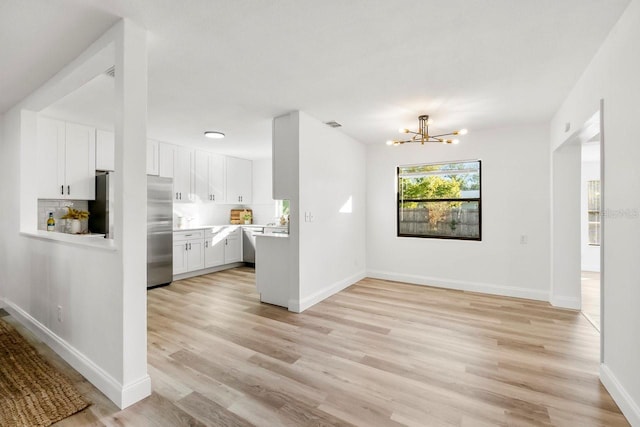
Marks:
<point>135,391</point>
<point>627,405</point>
<point>572,303</point>
<point>120,395</point>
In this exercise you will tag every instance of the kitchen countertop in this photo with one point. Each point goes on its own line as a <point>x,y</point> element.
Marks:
<point>204,227</point>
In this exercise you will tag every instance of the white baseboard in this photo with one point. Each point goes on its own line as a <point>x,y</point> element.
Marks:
<point>460,285</point>
<point>572,303</point>
<point>298,306</point>
<point>135,391</point>
<point>629,408</point>
<point>122,396</point>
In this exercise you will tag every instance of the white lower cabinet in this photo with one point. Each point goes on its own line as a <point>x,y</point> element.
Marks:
<point>188,251</point>
<point>214,245</point>
<point>233,247</point>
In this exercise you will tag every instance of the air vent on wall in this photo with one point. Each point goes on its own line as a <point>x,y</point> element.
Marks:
<point>111,72</point>
<point>333,124</point>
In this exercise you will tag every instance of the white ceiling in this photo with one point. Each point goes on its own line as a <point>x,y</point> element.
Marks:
<point>373,66</point>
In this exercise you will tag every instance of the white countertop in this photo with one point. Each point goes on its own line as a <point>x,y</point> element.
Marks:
<point>204,227</point>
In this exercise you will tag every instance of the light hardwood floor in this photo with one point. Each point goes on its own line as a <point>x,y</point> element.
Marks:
<point>591,297</point>
<point>377,354</point>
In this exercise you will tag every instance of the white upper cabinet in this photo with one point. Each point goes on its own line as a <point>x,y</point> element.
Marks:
<point>105,150</point>
<point>182,176</point>
<point>209,176</point>
<point>166,155</point>
<point>152,157</point>
<point>238,182</point>
<point>66,160</point>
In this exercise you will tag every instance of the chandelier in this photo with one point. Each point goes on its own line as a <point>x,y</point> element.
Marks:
<point>422,135</point>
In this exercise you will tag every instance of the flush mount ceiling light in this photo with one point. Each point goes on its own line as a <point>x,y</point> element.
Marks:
<point>214,134</point>
<point>422,135</point>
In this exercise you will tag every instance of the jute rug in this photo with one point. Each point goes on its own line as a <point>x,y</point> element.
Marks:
<point>32,392</point>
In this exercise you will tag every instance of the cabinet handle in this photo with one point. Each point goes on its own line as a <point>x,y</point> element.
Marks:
<point>62,189</point>
<point>189,246</point>
<point>206,243</point>
<point>226,242</point>
<point>213,197</point>
<point>68,190</point>
<point>176,196</point>
<point>186,246</point>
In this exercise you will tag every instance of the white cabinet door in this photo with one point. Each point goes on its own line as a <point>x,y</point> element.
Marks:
<point>214,245</point>
<point>217,178</point>
<point>201,176</point>
<point>182,174</point>
<point>195,254</point>
<point>238,180</point>
<point>105,150</point>
<point>166,155</point>
<point>180,257</point>
<point>233,247</point>
<point>50,158</point>
<point>152,157</point>
<point>80,162</point>
<point>209,177</point>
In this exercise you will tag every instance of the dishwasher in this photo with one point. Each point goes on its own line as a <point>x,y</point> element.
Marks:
<point>249,243</point>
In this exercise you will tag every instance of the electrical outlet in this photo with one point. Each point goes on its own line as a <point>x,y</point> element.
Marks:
<point>524,239</point>
<point>60,313</point>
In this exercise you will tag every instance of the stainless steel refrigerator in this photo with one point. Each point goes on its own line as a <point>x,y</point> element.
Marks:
<point>159,223</point>
<point>159,231</point>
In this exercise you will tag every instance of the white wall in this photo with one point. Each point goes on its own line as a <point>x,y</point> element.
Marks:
<point>101,290</point>
<point>613,76</point>
<point>590,254</point>
<point>515,202</point>
<point>333,190</point>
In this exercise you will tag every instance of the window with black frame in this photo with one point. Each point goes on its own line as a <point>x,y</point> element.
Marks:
<point>440,200</point>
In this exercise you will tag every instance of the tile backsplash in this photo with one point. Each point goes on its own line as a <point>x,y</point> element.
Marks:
<point>59,208</point>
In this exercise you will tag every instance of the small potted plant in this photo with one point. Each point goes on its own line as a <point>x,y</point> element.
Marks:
<point>247,217</point>
<point>75,215</point>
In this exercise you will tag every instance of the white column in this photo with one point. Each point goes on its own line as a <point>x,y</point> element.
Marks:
<point>131,204</point>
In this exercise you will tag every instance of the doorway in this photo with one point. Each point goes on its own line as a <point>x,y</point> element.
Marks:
<point>577,268</point>
<point>590,227</point>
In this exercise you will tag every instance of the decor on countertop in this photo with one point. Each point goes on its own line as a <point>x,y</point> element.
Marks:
<point>422,135</point>
<point>33,393</point>
<point>75,215</point>
<point>51,222</point>
<point>247,216</point>
<point>236,216</point>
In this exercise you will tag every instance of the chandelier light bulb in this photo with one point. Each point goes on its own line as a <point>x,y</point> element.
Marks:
<point>389,142</point>
<point>463,132</point>
<point>403,130</point>
<point>456,141</point>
